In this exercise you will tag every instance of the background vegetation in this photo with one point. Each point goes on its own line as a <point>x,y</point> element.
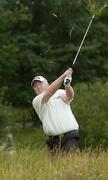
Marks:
<point>37,164</point>
<point>42,37</point>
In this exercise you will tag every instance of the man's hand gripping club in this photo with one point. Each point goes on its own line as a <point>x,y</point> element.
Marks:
<point>68,78</point>
<point>67,81</point>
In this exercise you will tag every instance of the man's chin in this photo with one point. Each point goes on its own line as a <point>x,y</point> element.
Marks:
<point>39,92</point>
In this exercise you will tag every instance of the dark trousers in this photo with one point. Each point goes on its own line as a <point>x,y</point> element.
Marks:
<point>64,143</point>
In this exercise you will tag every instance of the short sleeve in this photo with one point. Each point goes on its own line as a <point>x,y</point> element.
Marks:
<point>62,94</point>
<point>37,104</point>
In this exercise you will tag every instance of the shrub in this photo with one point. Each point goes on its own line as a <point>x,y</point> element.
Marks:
<point>91,111</point>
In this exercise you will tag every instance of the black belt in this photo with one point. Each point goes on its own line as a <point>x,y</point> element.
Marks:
<point>73,134</point>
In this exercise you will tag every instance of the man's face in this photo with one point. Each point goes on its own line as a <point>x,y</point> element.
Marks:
<point>40,86</point>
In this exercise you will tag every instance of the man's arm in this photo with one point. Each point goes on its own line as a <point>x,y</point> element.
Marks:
<point>69,93</point>
<point>55,85</point>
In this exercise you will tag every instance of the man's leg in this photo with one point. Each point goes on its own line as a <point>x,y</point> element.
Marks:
<point>53,144</point>
<point>69,143</point>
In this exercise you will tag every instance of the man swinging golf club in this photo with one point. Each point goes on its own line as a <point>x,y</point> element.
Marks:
<point>52,105</point>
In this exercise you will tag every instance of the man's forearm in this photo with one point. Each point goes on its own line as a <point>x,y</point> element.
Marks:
<point>53,87</point>
<point>69,93</point>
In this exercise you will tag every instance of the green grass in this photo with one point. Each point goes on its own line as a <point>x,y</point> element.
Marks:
<point>32,161</point>
<point>32,137</point>
<point>37,164</point>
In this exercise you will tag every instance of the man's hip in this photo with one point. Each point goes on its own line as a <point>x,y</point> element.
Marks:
<point>64,142</point>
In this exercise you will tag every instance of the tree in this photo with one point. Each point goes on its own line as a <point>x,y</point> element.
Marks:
<point>42,37</point>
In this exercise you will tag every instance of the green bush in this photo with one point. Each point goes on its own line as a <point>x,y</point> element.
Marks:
<point>14,117</point>
<point>90,107</point>
<point>13,114</point>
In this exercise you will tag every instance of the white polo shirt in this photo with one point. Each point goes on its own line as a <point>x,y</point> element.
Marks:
<point>55,115</point>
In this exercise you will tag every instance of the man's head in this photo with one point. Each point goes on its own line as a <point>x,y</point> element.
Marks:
<point>39,84</point>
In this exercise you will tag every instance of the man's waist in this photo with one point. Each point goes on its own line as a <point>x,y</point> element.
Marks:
<point>72,133</point>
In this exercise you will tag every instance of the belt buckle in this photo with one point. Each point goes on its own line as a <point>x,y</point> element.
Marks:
<point>61,136</point>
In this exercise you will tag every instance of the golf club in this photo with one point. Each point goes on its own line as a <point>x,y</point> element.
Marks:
<point>67,80</point>
<point>83,39</point>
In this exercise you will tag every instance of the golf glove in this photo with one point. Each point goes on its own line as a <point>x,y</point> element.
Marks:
<point>67,80</point>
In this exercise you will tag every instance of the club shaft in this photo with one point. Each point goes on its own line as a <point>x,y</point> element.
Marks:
<point>83,39</point>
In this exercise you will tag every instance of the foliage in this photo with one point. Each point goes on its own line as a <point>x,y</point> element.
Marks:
<point>96,7</point>
<point>14,117</point>
<point>90,108</point>
<point>29,137</point>
<point>42,37</point>
<point>38,164</point>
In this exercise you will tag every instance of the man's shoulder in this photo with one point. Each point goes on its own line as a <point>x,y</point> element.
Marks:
<point>37,98</point>
<point>60,91</point>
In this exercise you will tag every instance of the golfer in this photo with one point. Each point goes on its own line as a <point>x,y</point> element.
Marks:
<point>52,105</point>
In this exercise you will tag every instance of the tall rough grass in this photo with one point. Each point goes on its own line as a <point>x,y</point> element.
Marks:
<point>37,164</point>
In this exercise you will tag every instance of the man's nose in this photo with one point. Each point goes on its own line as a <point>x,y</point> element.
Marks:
<point>38,84</point>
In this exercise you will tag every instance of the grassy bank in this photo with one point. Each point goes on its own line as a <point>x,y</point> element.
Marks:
<point>32,161</point>
<point>37,164</point>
